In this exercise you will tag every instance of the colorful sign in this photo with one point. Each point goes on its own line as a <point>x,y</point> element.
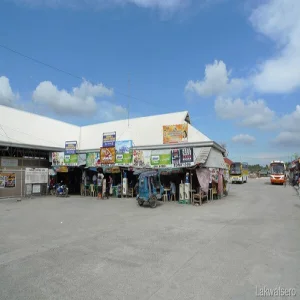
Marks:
<point>124,152</point>
<point>71,160</point>
<point>186,155</point>
<point>109,139</point>
<point>70,147</point>
<point>174,134</point>
<point>93,159</point>
<point>182,157</point>
<point>58,158</point>
<point>161,158</point>
<point>141,158</point>
<point>62,169</point>
<point>7,180</point>
<point>108,155</point>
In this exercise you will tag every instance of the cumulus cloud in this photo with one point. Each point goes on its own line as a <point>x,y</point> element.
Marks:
<point>287,139</point>
<point>249,113</point>
<point>7,96</point>
<point>158,4</point>
<point>244,139</point>
<point>216,82</point>
<point>80,101</point>
<point>279,21</point>
<point>290,126</point>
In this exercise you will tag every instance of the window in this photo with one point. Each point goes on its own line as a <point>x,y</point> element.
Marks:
<point>235,169</point>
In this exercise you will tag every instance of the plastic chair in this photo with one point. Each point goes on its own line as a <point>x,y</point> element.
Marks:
<point>92,190</point>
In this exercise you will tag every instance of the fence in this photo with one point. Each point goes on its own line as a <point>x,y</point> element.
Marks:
<point>13,184</point>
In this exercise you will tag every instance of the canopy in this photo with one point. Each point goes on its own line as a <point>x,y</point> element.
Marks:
<point>148,174</point>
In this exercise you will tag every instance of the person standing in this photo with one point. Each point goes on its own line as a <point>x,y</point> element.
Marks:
<point>108,185</point>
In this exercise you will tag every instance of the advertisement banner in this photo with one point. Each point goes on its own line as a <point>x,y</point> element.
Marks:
<point>93,159</point>
<point>174,134</point>
<point>7,180</point>
<point>161,158</point>
<point>141,158</point>
<point>186,155</point>
<point>108,155</point>
<point>58,158</point>
<point>71,160</point>
<point>109,139</point>
<point>70,147</point>
<point>124,152</point>
<point>175,156</point>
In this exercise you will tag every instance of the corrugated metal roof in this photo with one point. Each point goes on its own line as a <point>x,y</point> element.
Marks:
<point>201,154</point>
<point>24,129</point>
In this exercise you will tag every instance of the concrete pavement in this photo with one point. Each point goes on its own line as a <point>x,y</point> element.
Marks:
<point>83,248</point>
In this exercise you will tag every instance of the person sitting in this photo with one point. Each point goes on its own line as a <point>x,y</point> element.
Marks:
<point>173,189</point>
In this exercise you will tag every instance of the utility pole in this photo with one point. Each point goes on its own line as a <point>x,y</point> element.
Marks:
<point>128,104</point>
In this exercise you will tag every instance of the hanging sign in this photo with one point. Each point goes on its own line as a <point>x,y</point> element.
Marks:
<point>161,158</point>
<point>108,155</point>
<point>70,147</point>
<point>93,159</point>
<point>109,139</point>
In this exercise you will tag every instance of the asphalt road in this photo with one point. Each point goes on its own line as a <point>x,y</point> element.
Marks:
<point>83,248</point>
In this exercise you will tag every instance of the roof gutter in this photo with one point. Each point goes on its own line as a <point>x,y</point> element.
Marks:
<point>50,149</point>
<point>182,145</point>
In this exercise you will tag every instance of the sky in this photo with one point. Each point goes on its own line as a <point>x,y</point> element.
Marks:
<point>234,65</point>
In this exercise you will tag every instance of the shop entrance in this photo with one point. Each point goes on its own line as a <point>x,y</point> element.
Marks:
<point>72,179</point>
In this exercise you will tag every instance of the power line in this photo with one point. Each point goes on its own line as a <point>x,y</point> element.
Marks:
<point>66,72</point>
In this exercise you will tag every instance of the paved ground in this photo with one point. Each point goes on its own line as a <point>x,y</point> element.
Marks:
<point>81,248</point>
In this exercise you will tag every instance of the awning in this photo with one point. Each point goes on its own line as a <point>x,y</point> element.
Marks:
<point>201,154</point>
<point>148,174</point>
<point>171,171</point>
<point>215,160</point>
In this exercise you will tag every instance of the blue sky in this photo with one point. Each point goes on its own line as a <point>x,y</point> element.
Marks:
<point>234,65</point>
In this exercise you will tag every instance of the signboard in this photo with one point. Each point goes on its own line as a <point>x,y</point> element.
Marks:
<point>186,155</point>
<point>9,162</point>
<point>174,134</point>
<point>36,175</point>
<point>70,147</point>
<point>182,157</point>
<point>109,139</point>
<point>62,169</point>
<point>7,180</point>
<point>58,158</point>
<point>175,156</point>
<point>71,160</point>
<point>161,158</point>
<point>36,189</point>
<point>124,152</point>
<point>108,155</point>
<point>141,158</point>
<point>93,159</point>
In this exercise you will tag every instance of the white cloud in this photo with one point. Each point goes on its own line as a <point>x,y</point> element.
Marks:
<point>216,82</point>
<point>7,96</point>
<point>249,113</point>
<point>81,101</point>
<point>287,139</point>
<point>279,20</point>
<point>244,139</point>
<point>291,122</point>
<point>290,126</point>
<point>170,5</point>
